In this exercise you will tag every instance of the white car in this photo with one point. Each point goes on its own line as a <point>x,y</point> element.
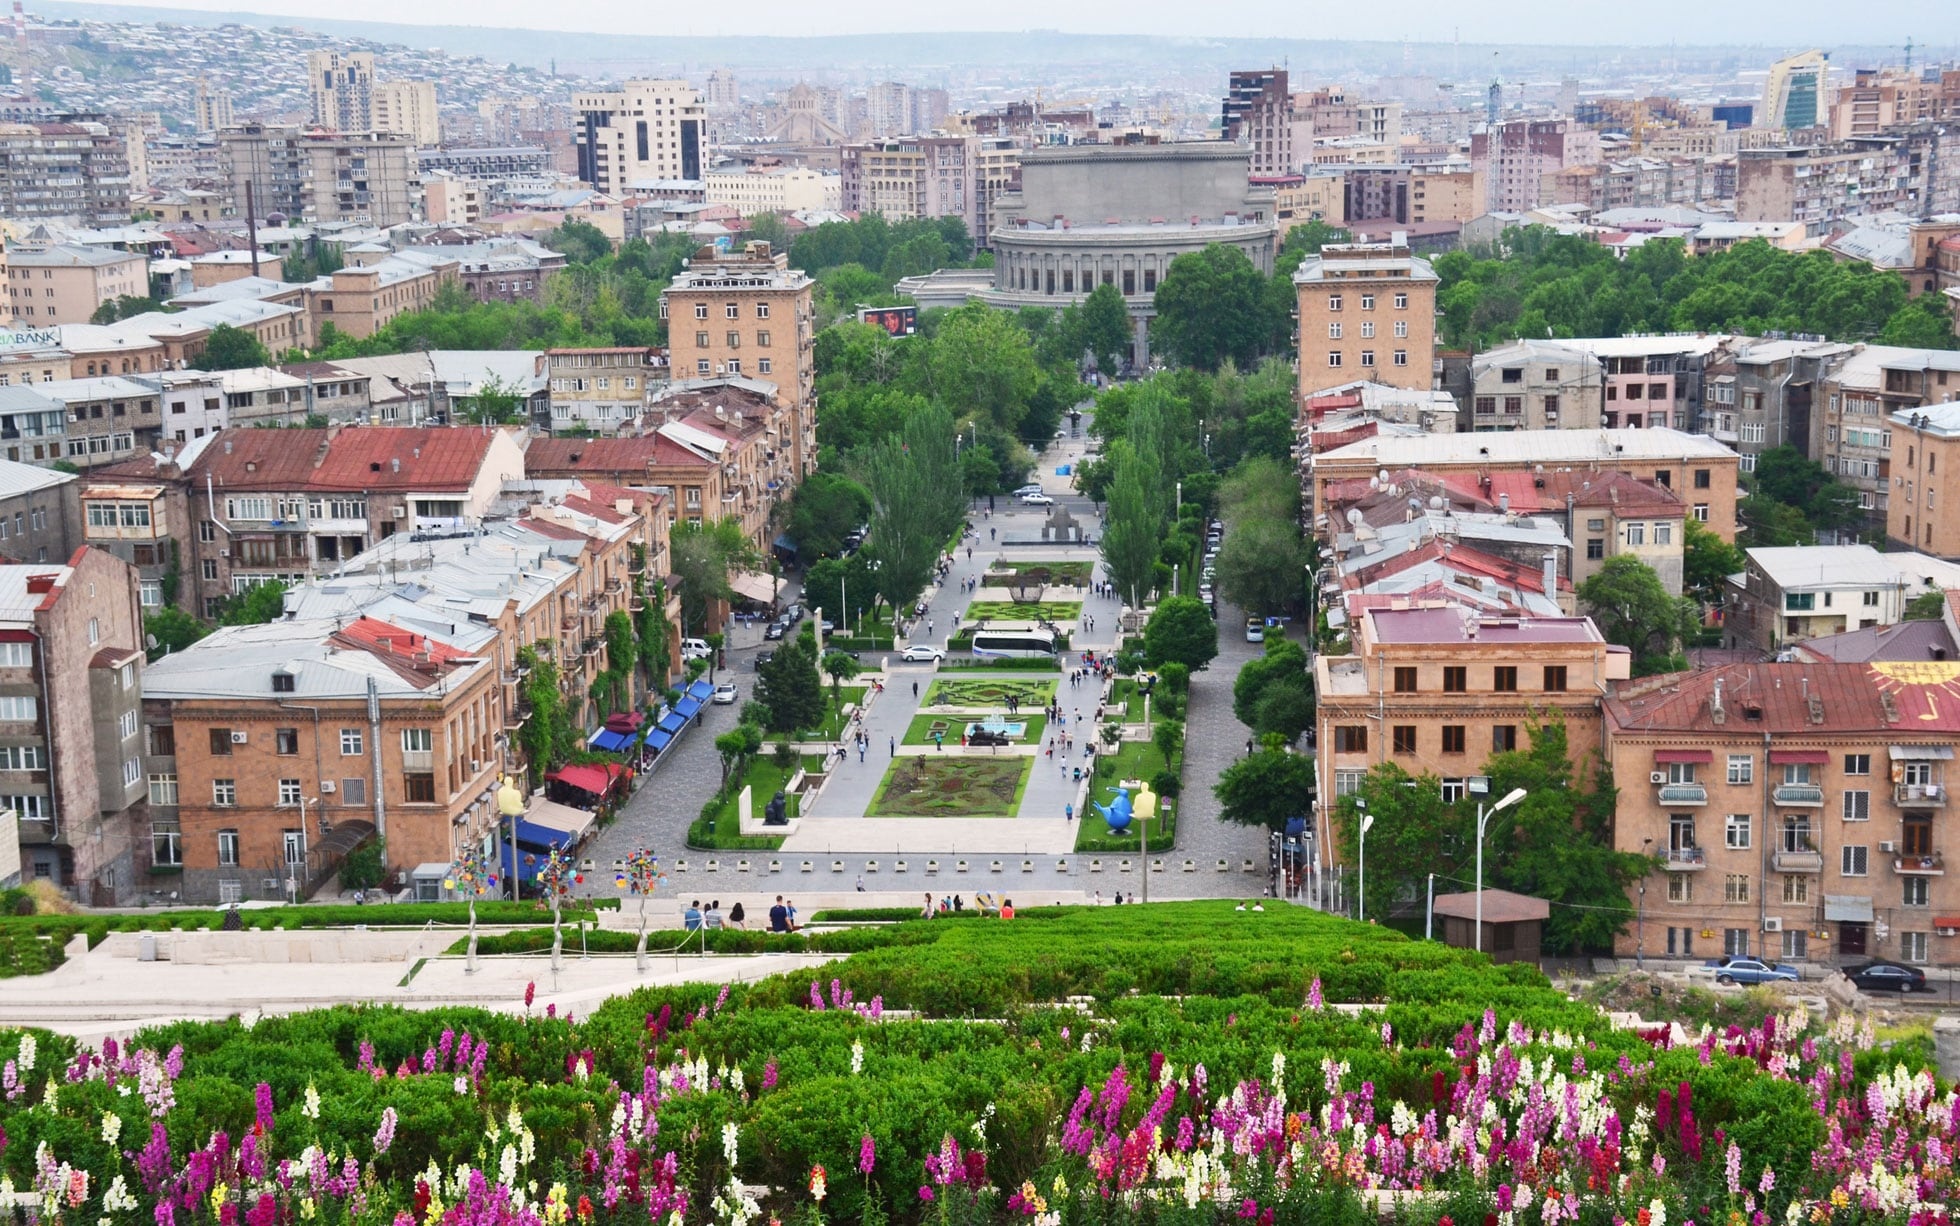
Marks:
<point>922,653</point>
<point>1255,630</point>
<point>1037,500</point>
<point>695,649</point>
<point>725,694</point>
<point>1025,490</point>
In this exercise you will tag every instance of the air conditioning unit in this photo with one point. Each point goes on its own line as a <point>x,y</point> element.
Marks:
<point>224,553</point>
<point>1772,923</point>
<point>1657,777</point>
<point>401,512</point>
<point>327,785</point>
<point>1888,847</point>
<point>239,738</point>
<point>1948,932</point>
<point>475,766</point>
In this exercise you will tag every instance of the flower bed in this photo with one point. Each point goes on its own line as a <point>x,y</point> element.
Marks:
<point>936,785</point>
<point>1011,611</point>
<point>1211,1078</point>
<point>991,692</point>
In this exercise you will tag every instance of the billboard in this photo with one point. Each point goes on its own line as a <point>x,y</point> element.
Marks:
<point>898,321</point>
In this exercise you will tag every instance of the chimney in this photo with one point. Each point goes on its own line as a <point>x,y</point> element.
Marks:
<point>1715,709</point>
<point>40,585</point>
<point>1504,504</point>
<point>1551,575</point>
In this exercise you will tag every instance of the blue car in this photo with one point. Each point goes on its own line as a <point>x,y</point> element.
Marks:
<point>1748,970</point>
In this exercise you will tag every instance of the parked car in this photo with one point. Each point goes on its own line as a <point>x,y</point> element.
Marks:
<point>793,614</point>
<point>1025,490</point>
<point>695,649</point>
<point>1204,591</point>
<point>725,694</point>
<point>1037,499</point>
<point>829,627</point>
<point>775,630</point>
<point>919,653</point>
<point>1747,970</point>
<point>1879,976</point>
<point>762,658</point>
<point>1255,629</point>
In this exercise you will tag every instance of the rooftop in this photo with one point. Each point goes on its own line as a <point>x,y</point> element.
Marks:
<point>1456,624</point>
<point>72,257</point>
<point>1914,640</point>
<point>1907,700</point>
<point>1796,567</point>
<point>17,478</point>
<point>327,658</point>
<point>1530,447</point>
<point>418,458</point>
<point>17,604</point>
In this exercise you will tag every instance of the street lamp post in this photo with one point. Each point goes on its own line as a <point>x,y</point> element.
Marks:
<point>1510,798</point>
<point>1640,927</point>
<point>1361,866</point>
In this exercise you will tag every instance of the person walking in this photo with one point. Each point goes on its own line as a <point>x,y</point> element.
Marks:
<point>915,689</point>
<point>1068,811</point>
<point>894,746</point>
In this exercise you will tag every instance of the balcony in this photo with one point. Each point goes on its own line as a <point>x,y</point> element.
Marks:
<point>615,586</point>
<point>1806,794</point>
<point>1930,864</point>
<point>1686,859</point>
<point>1683,794</point>
<point>1919,795</point>
<point>591,646</point>
<point>418,759</point>
<point>1806,860</point>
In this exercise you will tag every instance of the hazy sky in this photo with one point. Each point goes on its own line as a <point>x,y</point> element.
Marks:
<point>1933,23</point>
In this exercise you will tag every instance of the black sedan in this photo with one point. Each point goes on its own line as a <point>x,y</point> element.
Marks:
<point>1887,977</point>
<point>762,658</point>
<point>774,630</point>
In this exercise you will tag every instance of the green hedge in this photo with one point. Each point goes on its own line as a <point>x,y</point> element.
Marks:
<point>1005,664</point>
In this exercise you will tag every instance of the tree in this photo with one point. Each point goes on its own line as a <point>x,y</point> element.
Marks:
<point>1707,562</point>
<point>1265,789</point>
<point>823,510</point>
<point>1282,659</point>
<point>1632,610</point>
<point>1182,630</point>
<point>1414,832</point>
<point>703,555</point>
<point>255,606</point>
<point>769,228</point>
<point>127,306</point>
<point>656,656</point>
<point>1769,523</point>
<point>736,747</point>
<point>365,866</point>
<point>1130,530</point>
<point>1213,307</point>
<point>1285,710</point>
<point>1926,607</point>
<point>839,667</point>
<point>1784,474</point>
<point>1304,240</point>
<point>1104,328</point>
<point>172,629</point>
<point>788,686</point>
<point>581,241</point>
<point>844,588</point>
<point>229,348</point>
<point>1926,322</point>
<point>917,502</point>
<point>981,365</point>
<point>496,403</point>
<point>1260,565</point>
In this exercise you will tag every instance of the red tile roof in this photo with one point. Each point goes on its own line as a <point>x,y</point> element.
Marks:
<point>352,458</point>
<point>575,457</point>
<point>1904,699</point>
<point>602,511</point>
<point>551,531</point>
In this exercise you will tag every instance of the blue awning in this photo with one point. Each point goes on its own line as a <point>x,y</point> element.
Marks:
<point>607,741</point>
<point>687,707</point>
<point>658,739</point>
<point>530,834</point>
<point>672,723</point>
<point>524,872</point>
<point>701,691</point>
<point>783,542</point>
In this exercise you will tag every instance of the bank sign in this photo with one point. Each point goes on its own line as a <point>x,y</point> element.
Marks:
<point>29,338</point>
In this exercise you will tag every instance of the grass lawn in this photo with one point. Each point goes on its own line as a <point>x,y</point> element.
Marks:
<point>920,730</point>
<point>991,692</point>
<point>1133,760</point>
<point>722,829</point>
<point>1008,611</point>
<point>833,717</point>
<point>932,786</point>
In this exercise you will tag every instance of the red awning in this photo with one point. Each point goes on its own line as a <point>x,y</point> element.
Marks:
<point>1684,755</point>
<point>625,721</point>
<point>596,779</point>
<point>1799,757</point>
<point>1946,921</point>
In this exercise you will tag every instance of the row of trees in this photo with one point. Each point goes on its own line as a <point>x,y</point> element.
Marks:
<point>1539,283</point>
<point>1215,306</point>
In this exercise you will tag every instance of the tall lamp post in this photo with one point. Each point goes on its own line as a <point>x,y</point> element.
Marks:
<point>639,872</point>
<point>1483,816</point>
<point>1361,884</point>
<point>1640,928</point>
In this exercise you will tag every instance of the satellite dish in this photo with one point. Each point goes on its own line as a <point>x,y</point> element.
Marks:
<point>1381,475</point>
<point>150,641</point>
<point>1354,516</point>
<point>1435,502</point>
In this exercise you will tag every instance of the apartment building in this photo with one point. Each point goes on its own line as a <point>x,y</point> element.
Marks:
<point>1318,195</point>
<point>1909,171</point>
<point>64,171</point>
<point>65,284</point>
<point>1759,394</point>
<point>322,176</point>
<point>211,107</point>
<point>931,175</point>
<point>736,451</point>
<point>1804,592</point>
<point>340,86</point>
<point>406,108</point>
<point>1652,381</point>
<point>1516,155</point>
<point>32,426</point>
<point>753,190</point>
<point>40,513</point>
<point>645,130</point>
<point>1258,113</point>
<point>335,392</point>
<point>246,506</point>
<point>1437,688</point>
<point>1332,112</point>
<point>449,199</point>
<point>1699,470</point>
<point>600,390</point>
<point>71,687</point>
<point>275,750</point>
<point>497,270</point>
<point>1925,447</point>
<point>1536,385</point>
<point>360,299</point>
<point>1793,810</point>
<point>108,418</point>
<point>747,314</point>
<point>1366,311</point>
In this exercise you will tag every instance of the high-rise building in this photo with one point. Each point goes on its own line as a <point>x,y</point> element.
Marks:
<point>643,131</point>
<point>213,106</point>
<point>364,177</point>
<point>74,170</point>
<point>341,84</point>
<point>1258,114</point>
<point>1515,156</point>
<point>1794,96</point>
<point>723,92</point>
<point>931,176</point>
<point>406,108</point>
<point>1367,311</point>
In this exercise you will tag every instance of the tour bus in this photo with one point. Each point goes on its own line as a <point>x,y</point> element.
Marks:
<point>1029,643</point>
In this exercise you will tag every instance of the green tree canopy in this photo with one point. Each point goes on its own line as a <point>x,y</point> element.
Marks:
<point>255,606</point>
<point>1707,562</point>
<point>702,556</point>
<point>1181,630</point>
<point>229,348</point>
<point>825,508</point>
<point>173,629</point>
<point>1212,307</point>
<point>789,688</point>
<point>1266,788</point>
<point>581,241</point>
<point>1627,601</point>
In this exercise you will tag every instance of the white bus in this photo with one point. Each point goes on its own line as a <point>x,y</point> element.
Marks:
<point>1027,644</point>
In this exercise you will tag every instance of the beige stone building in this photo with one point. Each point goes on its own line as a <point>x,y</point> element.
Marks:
<point>773,189</point>
<point>360,299</point>
<point>1366,311</point>
<point>64,285</point>
<point>1536,385</point>
<point>1793,811</point>
<point>406,108</point>
<point>601,390</point>
<point>1316,196</point>
<point>743,313</point>
<point>645,130</point>
<point>1925,447</point>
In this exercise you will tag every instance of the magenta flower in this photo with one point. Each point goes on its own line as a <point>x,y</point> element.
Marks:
<point>530,994</point>
<point>769,1075</point>
<point>867,1154</point>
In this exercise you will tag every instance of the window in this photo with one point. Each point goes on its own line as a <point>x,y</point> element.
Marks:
<point>1912,946</point>
<point>1735,887</point>
<point>1401,357</point>
<point>1367,329</point>
<point>765,365</point>
<point>16,655</point>
<point>1405,738</point>
<point>1367,357</point>
<point>1701,478</point>
<point>1736,829</point>
<point>1636,534</point>
<point>1701,512</point>
<point>1857,806</point>
<point>1348,782</point>
<point>1503,738</point>
<point>1595,548</point>
<point>1796,888</point>
<point>1453,738</point>
<point>228,848</point>
<point>1795,941</point>
<point>126,725</point>
<point>1680,887</point>
<point>162,738</point>
<point>734,340</point>
<point>1735,941</point>
<point>417,740</point>
<point>163,790</point>
<point>1453,790</point>
<point>1351,738</point>
<point>224,792</point>
<point>1681,772</point>
<point>1871,600</point>
<point>1742,768</point>
<point>150,592</point>
<point>1796,773</point>
<point>1504,678</point>
<point>1405,680</point>
<point>1913,892</point>
<point>1333,302</point>
<point>285,740</point>
<point>1681,941</point>
<point>1334,358</point>
<point>762,310</point>
<point>283,683</point>
<point>1456,679</point>
<point>1401,302</point>
<point>1796,833</point>
<point>289,791</point>
<point>762,337</point>
<point>221,742</point>
<point>22,758</point>
<point>419,789</point>
<point>1855,860</point>
<point>1555,678</point>
<point>731,310</point>
<point>1401,327</point>
<point>166,846</point>
<point>1663,534</point>
<point>94,631</point>
<point>1367,302</point>
<point>1857,764</point>
<point>1334,330</point>
<point>350,742</point>
<point>353,792</point>
<point>700,340</point>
